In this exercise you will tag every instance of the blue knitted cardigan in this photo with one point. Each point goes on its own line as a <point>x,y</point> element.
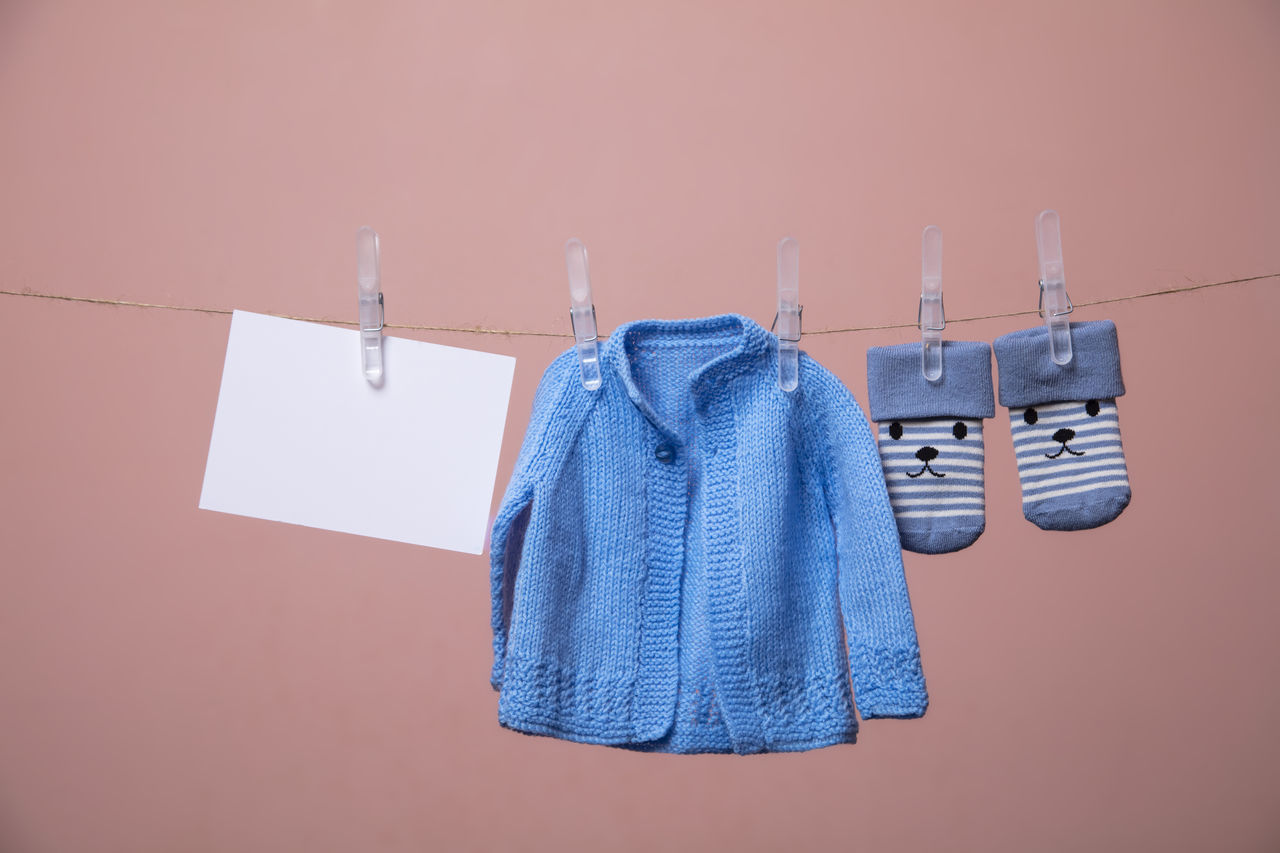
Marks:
<point>675,551</point>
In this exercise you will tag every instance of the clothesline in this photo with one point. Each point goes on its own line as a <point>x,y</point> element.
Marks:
<point>481,330</point>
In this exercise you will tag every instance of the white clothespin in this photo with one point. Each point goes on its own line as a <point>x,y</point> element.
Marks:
<point>372,313</point>
<point>582,313</point>
<point>787,321</point>
<point>931,318</point>
<point>1055,305</point>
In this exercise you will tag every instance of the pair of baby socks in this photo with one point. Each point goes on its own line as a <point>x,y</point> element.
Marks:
<point>1066,434</point>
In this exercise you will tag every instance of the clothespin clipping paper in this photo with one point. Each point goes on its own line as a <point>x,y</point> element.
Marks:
<point>301,436</point>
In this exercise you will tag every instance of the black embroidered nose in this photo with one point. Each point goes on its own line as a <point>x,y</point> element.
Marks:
<point>926,454</point>
<point>1064,435</point>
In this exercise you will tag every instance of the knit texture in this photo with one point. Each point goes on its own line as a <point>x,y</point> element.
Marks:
<point>1065,425</point>
<point>897,389</point>
<point>680,555</point>
<point>930,440</point>
<point>1029,376</point>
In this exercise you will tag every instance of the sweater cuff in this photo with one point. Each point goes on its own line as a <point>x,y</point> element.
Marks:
<point>889,683</point>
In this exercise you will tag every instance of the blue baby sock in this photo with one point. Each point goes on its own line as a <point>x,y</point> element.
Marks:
<point>930,438</point>
<point>1066,434</point>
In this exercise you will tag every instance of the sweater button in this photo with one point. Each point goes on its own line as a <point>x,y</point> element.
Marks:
<point>665,453</point>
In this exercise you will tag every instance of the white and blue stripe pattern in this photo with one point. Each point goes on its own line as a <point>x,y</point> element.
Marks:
<point>933,470</point>
<point>1071,463</point>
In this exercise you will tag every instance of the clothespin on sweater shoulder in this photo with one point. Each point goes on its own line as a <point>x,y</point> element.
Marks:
<point>582,313</point>
<point>786,322</point>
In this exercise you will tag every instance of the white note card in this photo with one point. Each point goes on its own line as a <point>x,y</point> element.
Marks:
<point>301,436</point>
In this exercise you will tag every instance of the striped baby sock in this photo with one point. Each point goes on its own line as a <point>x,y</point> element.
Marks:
<point>930,439</point>
<point>1066,434</point>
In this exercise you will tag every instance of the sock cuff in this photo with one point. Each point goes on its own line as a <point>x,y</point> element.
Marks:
<point>1029,377</point>
<point>897,389</point>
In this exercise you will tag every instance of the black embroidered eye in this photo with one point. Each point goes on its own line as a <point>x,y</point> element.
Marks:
<point>895,430</point>
<point>1091,408</point>
<point>959,430</point>
<point>1030,416</point>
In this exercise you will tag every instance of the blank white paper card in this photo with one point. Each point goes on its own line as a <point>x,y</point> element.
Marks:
<point>300,435</point>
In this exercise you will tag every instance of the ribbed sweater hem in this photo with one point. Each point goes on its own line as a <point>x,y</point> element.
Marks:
<point>797,743</point>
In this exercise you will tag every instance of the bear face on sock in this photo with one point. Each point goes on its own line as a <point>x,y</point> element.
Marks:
<point>1070,461</point>
<point>933,470</point>
<point>927,447</point>
<point>930,440</point>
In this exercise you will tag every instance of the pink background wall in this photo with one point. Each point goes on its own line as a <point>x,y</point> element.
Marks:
<point>172,679</point>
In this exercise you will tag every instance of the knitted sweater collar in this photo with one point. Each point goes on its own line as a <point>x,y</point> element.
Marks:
<point>751,346</point>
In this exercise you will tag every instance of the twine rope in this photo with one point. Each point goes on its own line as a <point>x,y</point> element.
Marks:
<point>483,330</point>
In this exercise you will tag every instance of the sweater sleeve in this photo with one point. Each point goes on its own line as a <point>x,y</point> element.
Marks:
<point>506,543</point>
<point>884,654</point>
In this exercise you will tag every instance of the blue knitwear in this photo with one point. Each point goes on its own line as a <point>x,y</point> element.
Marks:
<point>1065,424</point>
<point>898,391</point>
<point>1028,375</point>
<point>680,555</point>
<point>930,437</point>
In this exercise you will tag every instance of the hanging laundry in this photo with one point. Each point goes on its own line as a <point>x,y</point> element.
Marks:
<point>676,549</point>
<point>931,446</point>
<point>1065,424</point>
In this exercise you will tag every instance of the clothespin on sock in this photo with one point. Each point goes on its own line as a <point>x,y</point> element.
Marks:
<point>1055,305</point>
<point>931,317</point>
